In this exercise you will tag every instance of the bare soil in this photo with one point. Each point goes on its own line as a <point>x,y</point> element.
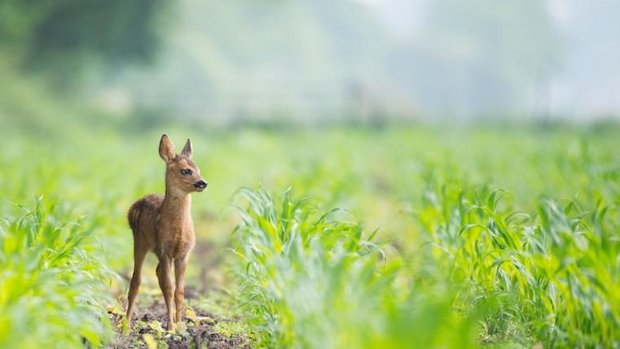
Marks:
<point>204,330</point>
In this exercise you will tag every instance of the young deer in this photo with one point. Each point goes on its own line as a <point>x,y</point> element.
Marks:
<point>163,225</point>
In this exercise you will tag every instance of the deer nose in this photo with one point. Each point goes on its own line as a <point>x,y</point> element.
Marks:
<point>200,184</point>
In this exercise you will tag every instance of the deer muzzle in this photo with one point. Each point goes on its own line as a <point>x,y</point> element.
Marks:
<point>200,185</point>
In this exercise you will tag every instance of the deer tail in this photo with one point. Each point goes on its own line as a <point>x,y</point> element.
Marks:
<point>134,214</point>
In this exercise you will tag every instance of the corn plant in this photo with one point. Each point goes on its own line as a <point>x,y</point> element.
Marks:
<point>556,270</point>
<point>52,289</point>
<point>311,280</point>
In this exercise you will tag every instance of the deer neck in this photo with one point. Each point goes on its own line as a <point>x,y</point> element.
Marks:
<point>176,204</point>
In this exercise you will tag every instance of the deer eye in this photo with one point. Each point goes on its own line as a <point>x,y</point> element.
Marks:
<point>186,172</point>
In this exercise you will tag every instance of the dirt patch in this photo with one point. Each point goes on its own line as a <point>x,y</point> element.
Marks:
<point>201,329</point>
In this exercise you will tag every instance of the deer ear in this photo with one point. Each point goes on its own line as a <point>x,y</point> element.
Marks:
<point>187,149</point>
<point>166,148</point>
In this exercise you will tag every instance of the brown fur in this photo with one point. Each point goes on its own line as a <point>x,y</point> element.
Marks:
<point>163,225</point>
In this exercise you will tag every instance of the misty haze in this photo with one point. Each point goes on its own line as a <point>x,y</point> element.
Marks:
<point>226,61</point>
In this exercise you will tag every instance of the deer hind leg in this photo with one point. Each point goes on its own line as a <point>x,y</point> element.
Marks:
<point>165,283</point>
<point>179,293</point>
<point>136,278</point>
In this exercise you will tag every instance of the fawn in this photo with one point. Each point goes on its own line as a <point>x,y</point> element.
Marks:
<point>163,225</point>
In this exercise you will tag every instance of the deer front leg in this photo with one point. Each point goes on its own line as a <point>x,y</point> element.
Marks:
<point>179,293</point>
<point>165,283</point>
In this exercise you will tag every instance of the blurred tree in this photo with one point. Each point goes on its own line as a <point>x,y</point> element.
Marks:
<point>480,57</point>
<point>263,58</point>
<point>65,37</point>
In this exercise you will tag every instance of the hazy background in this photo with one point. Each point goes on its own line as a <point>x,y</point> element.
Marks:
<point>234,62</point>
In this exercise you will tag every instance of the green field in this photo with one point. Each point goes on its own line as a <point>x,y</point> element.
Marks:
<point>326,237</point>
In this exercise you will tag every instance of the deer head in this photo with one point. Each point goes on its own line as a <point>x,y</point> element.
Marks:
<point>182,174</point>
